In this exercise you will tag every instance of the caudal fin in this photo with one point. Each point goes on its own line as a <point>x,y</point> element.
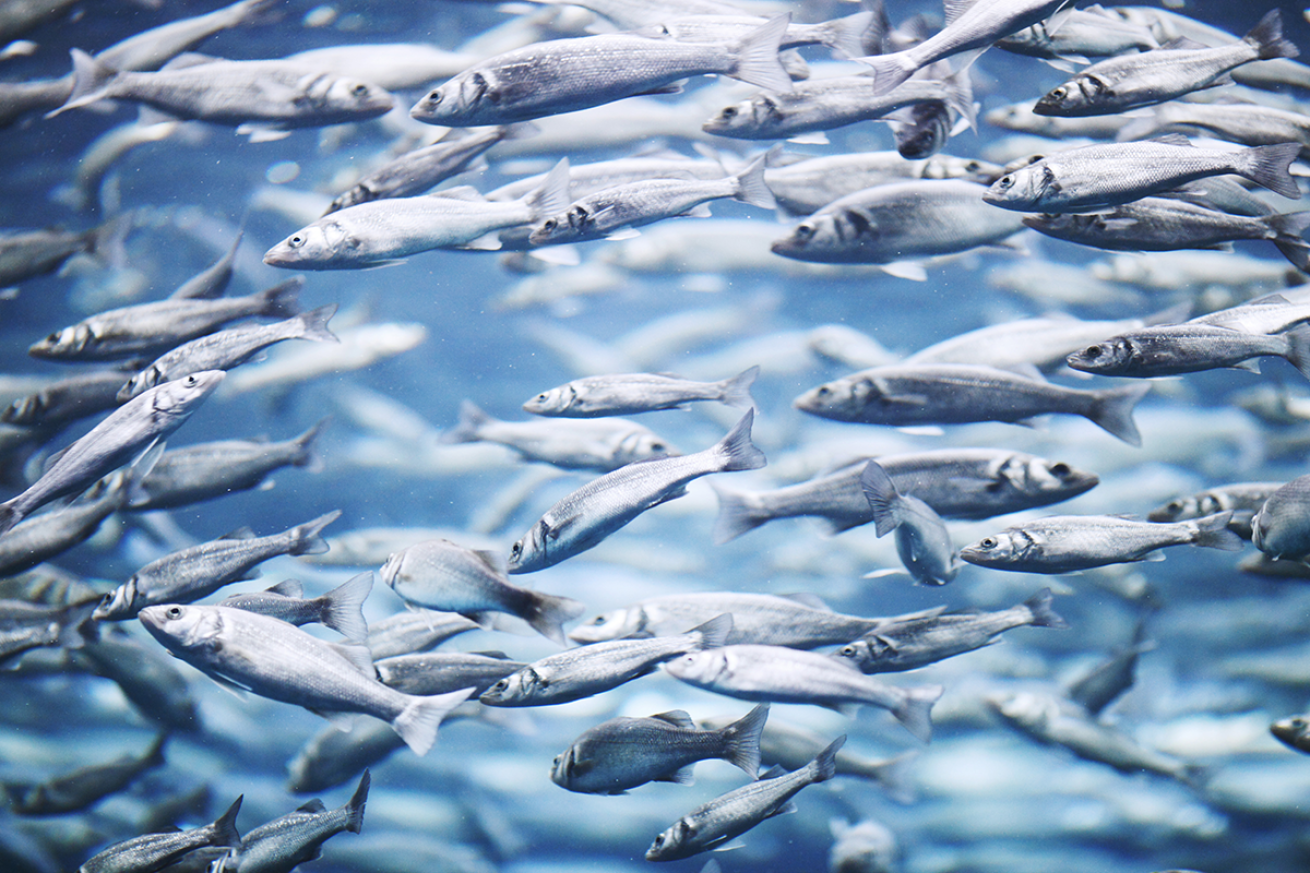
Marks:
<point>738,452</point>
<point>737,390</point>
<point>1043,615</point>
<point>90,82</point>
<point>715,632</point>
<point>304,443</point>
<point>1212,533</point>
<point>738,514</point>
<point>552,197</point>
<point>1267,166</point>
<point>1267,38</point>
<point>471,421</point>
<point>355,808</point>
<point>1113,411</point>
<point>743,738</point>
<point>959,97</point>
<point>846,36</point>
<point>752,189</point>
<point>417,724</point>
<point>882,496</point>
<point>282,300</point>
<point>343,608</point>
<point>549,614</point>
<point>824,765</point>
<point>312,325</point>
<point>915,711</point>
<point>225,827</point>
<point>1298,348</point>
<point>888,71</point>
<point>757,56</point>
<point>305,537</point>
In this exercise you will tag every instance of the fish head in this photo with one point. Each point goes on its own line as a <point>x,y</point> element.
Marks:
<point>568,767</point>
<point>1291,731</point>
<point>1264,531</point>
<point>672,844</point>
<point>26,410</point>
<point>180,397</point>
<point>760,113</point>
<point>698,668</point>
<point>63,343</point>
<point>996,550</point>
<point>351,99</point>
<point>613,625</point>
<point>147,378</point>
<point>462,99</point>
<point>642,445</point>
<point>1078,97</point>
<point>838,400</point>
<point>807,240</point>
<point>841,236</point>
<point>529,553</point>
<point>1187,507</point>
<point>311,247</point>
<point>391,569</point>
<point>861,651</point>
<point>556,401</point>
<point>515,689</point>
<point>1040,476</point>
<point>1108,357</point>
<point>180,628</point>
<point>1025,709</point>
<point>1023,189</point>
<point>569,226</point>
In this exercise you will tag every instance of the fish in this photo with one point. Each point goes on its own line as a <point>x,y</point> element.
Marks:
<point>66,400</point>
<point>27,254</point>
<point>1067,544</point>
<point>442,575</point>
<point>623,753</point>
<point>956,393</point>
<point>134,427</point>
<point>584,518</point>
<point>589,670</point>
<point>1243,499</point>
<point>340,609</point>
<point>629,394</point>
<point>192,573</point>
<point>1279,528</point>
<point>439,672</point>
<point>566,75</point>
<point>782,675</point>
<point>912,642</point>
<point>284,843</point>
<point>712,824</point>
<point>1169,350</point>
<point>268,657</point>
<point>156,851</point>
<point>87,785</point>
<point>922,540</point>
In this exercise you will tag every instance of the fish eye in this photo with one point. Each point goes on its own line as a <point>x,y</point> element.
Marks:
<point>500,686</point>
<point>434,97</point>
<point>1175,506</point>
<point>600,619</point>
<point>987,543</point>
<point>1060,469</point>
<point>823,391</point>
<point>359,90</point>
<point>657,447</point>
<point>516,550</point>
<point>848,651</point>
<point>1005,182</point>
<point>729,112</point>
<point>804,232</point>
<point>191,381</point>
<point>1093,352</point>
<point>107,599</point>
<point>53,338</point>
<point>296,241</point>
<point>173,612</point>
<point>659,841</point>
<point>550,224</point>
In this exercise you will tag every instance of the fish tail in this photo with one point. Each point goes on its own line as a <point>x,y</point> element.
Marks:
<point>737,514</point>
<point>752,189</point>
<point>915,711</point>
<point>888,71</point>
<point>106,241</point>
<point>1298,348</point>
<point>1267,165</point>
<point>892,774</point>
<point>552,197</point>
<point>471,420</point>
<point>959,97</point>
<point>737,390</point>
<point>1296,252</point>
<point>715,632</point>
<point>847,36</point>
<point>282,300</point>
<point>312,325</point>
<point>824,765</point>
<point>1267,38</point>
<point>1043,615</point>
<point>355,808</point>
<point>548,614</point>
<point>305,537</point>
<point>225,828</point>
<point>757,56</point>
<point>90,82</point>
<point>1113,411</point>
<point>305,456</point>
<point>883,498</point>
<point>343,608</point>
<point>9,516</point>
<point>1212,533</point>
<point>418,722</point>
<point>743,738</point>
<point>738,450</point>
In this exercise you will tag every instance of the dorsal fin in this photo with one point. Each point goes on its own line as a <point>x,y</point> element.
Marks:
<point>676,717</point>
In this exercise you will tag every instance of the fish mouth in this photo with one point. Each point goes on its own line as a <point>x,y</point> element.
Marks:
<point>281,255</point>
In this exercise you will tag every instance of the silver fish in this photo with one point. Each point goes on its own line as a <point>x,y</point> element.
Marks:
<point>192,573</point>
<point>589,670</point>
<point>157,851</point>
<point>79,789</point>
<point>26,254</point>
<point>1096,176</point>
<point>273,659</point>
<point>582,519</point>
<point>229,348</point>
<point>153,328</point>
<point>1069,543</point>
<point>1084,33</point>
<point>66,400</point>
<point>1127,82</point>
<point>906,643</point>
<point>438,672</point>
<point>1293,731</point>
<point>332,757</point>
<point>341,609</point>
<point>279,846</point>
<point>51,534</point>
<point>132,428</point>
<point>783,675</point>
<point>415,630</point>
<point>715,823</point>
<point>623,753</point>
<point>438,574</point>
<point>1281,527</point>
<point>1243,499</point>
<point>1169,350</point>
<point>922,540</point>
<point>566,75</point>
<point>628,394</point>
<point>957,393</point>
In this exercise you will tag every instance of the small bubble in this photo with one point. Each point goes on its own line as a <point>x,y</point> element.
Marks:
<point>282,172</point>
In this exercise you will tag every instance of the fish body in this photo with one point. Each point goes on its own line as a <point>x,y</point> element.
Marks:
<point>715,823</point>
<point>27,254</point>
<point>332,757</point>
<point>589,670</point>
<point>898,222</point>
<point>1110,174</point>
<point>922,540</point>
<point>781,675</point>
<point>955,393</point>
<point>439,672</point>
<point>192,573</point>
<point>282,844</point>
<point>623,753</point>
<point>81,788</point>
<point>132,428</point>
<point>1069,543</point>
<point>51,534</point>
<point>628,394</point>
<point>66,400</point>
<point>918,640</point>
<point>340,609</point>
<point>157,851</point>
<point>1084,33</point>
<point>1243,499</point>
<point>584,518</point>
<point>1281,527</point>
<point>1192,347</point>
<point>566,75</point>
<point>415,630</point>
<point>442,575</point>
<point>273,659</point>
